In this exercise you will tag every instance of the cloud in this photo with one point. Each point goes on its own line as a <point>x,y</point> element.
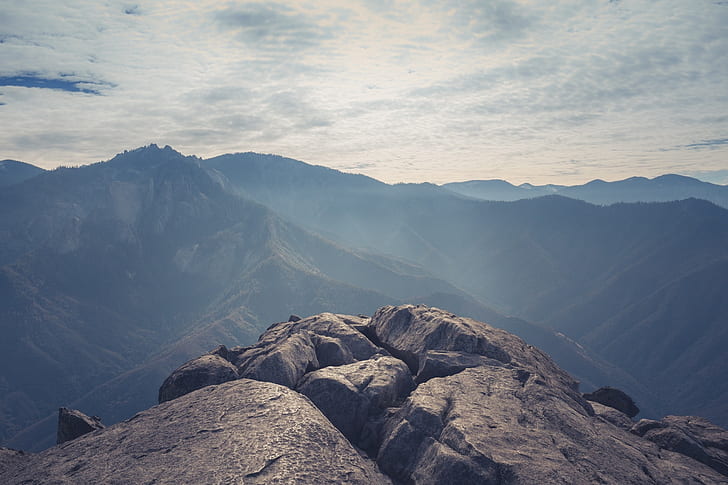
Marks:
<point>707,144</point>
<point>132,10</point>
<point>492,22</point>
<point>414,91</point>
<point>272,27</point>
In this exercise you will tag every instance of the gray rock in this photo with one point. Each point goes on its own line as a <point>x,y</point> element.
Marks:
<point>286,351</point>
<point>11,459</point>
<point>486,408</point>
<point>354,395</point>
<point>203,371</point>
<point>644,425</point>
<point>238,432</point>
<point>410,331</point>
<point>442,363</point>
<point>614,398</point>
<point>73,423</point>
<point>691,436</point>
<point>283,362</point>
<point>485,425</point>
<point>415,329</point>
<point>611,415</point>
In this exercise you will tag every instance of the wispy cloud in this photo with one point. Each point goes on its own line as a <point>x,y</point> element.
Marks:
<point>707,144</point>
<point>562,91</point>
<point>272,27</point>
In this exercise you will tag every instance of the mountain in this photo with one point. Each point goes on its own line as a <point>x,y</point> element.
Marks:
<point>110,264</point>
<point>664,188</point>
<point>411,395</point>
<point>562,263</point>
<point>115,273</point>
<point>13,172</point>
<point>500,190</point>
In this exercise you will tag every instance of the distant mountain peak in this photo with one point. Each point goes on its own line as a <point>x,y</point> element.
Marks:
<point>13,172</point>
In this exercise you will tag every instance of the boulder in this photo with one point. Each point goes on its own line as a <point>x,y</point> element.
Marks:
<point>238,432</point>
<point>355,395</point>
<point>614,398</point>
<point>73,423</point>
<point>203,371</point>
<point>411,331</point>
<point>283,362</point>
<point>484,407</point>
<point>486,425</point>
<point>288,350</point>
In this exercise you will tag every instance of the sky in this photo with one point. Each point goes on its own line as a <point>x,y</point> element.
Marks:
<point>563,91</point>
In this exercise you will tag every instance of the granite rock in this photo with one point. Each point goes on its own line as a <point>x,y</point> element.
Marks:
<point>203,371</point>
<point>243,431</point>
<point>73,423</point>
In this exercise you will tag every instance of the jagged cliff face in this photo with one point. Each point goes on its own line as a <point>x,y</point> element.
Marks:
<point>411,395</point>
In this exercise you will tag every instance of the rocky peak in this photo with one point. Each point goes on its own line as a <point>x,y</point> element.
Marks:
<point>431,397</point>
<point>412,395</point>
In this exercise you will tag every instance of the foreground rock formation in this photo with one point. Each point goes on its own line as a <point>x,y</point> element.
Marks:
<point>411,395</point>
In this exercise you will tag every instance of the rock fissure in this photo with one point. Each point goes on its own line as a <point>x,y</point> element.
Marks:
<point>262,470</point>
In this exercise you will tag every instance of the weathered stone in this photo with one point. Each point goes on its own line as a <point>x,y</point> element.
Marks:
<point>614,398</point>
<point>611,415</point>
<point>442,363</point>
<point>410,331</point>
<point>10,460</point>
<point>691,436</point>
<point>294,318</point>
<point>416,329</point>
<point>487,408</point>
<point>73,423</point>
<point>330,351</point>
<point>286,351</point>
<point>486,425</point>
<point>284,362</point>
<point>203,371</point>
<point>238,432</point>
<point>353,395</point>
<point>644,425</point>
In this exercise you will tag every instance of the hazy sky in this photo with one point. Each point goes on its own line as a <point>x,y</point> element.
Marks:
<point>560,91</point>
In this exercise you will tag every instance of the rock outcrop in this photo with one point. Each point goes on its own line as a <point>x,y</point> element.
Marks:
<point>614,398</point>
<point>243,431</point>
<point>73,423</point>
<point>206,370</point>
<point>412,395</point>
<point>691,436</point>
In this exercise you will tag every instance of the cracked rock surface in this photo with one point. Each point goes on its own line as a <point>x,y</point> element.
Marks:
<point>412,395</point>
<point>243,431</point>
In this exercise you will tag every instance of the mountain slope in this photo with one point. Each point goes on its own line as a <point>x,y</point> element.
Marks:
<point>556,261</point>
<point>111,268</point>
<point>13,172</point>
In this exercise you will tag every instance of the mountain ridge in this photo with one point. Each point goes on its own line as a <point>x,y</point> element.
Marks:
<point>167,245</point>
<point>662,188</point>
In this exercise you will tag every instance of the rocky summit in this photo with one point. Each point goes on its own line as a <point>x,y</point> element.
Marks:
<point>411,395</point>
